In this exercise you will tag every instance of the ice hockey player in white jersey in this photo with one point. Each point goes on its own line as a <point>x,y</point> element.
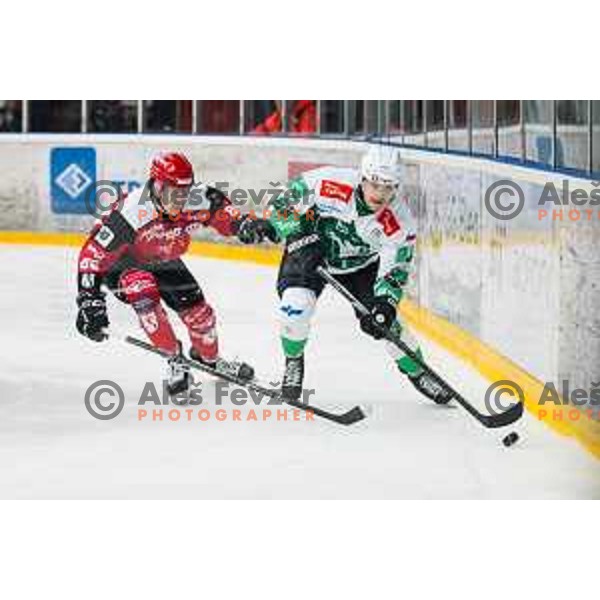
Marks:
<point>353,222</point>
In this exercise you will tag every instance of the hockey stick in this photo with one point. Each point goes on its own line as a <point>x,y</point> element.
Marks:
<point>348,418</point>
<point>510,415</point>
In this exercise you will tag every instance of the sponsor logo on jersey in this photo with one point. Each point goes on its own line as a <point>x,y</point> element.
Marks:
<point>330,209</point>
<point>139,285</point>
<point>104,236</point>
<point>167,233</point>
<point>388,221</point>
<point>290,311</point>
<point>302,242</point>
<point>337,190</point>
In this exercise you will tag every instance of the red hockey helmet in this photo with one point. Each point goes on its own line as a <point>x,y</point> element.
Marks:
<point>172,168</point>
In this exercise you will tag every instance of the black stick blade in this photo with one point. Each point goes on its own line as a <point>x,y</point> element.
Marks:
<point>509,416</point>
<point>354,415</point>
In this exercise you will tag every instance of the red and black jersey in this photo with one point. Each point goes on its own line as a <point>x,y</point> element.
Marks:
<point>137,233</point>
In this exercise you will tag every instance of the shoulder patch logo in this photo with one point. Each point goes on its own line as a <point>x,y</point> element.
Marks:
<point>290,311</point>
<point>335,189</point>
<point>104,236</point>
<point>389,221</point>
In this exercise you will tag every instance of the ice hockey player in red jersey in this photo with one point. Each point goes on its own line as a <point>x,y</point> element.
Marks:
<point>135,252</point>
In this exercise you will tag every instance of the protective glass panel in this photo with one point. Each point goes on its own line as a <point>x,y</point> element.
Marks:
<point>483,134</point>
<point>458,125</point>
<point>436,121</point>
<point>332,116</point>
<point>112,116</point>
<point>538,116</point>
<point>510,133</point>
<point>11,116</point>
<point>301,116</point>
<point>572,134</point>
<point>218,116</point>
<point>55,116</point>
<point>263,116</point>
<point>411,120</point>
<point>167,116</point>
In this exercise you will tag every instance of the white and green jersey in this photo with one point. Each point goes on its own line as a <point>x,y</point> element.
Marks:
<point>328,201</point>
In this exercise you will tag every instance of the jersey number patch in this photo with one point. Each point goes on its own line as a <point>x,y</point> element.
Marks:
<point>388,221</point>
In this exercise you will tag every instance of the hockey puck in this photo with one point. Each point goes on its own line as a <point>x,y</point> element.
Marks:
<point>510,439</point>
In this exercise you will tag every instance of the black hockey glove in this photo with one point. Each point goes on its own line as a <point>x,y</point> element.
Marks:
<point>92,317</point>
<point>382,315</point>
<point>254,231</point>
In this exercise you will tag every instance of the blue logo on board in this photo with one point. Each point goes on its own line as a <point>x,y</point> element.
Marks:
<point>72,175</point>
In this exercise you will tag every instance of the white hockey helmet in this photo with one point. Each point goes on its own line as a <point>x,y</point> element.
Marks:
<point>382,164</point>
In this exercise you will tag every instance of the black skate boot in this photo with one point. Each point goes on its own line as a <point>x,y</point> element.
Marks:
<point>177,377</point>
<point>291,387</point>
<point>431,388</point>
<point>234,368</point>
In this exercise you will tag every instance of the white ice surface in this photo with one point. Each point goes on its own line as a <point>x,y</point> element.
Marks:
<point>50,447</point>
